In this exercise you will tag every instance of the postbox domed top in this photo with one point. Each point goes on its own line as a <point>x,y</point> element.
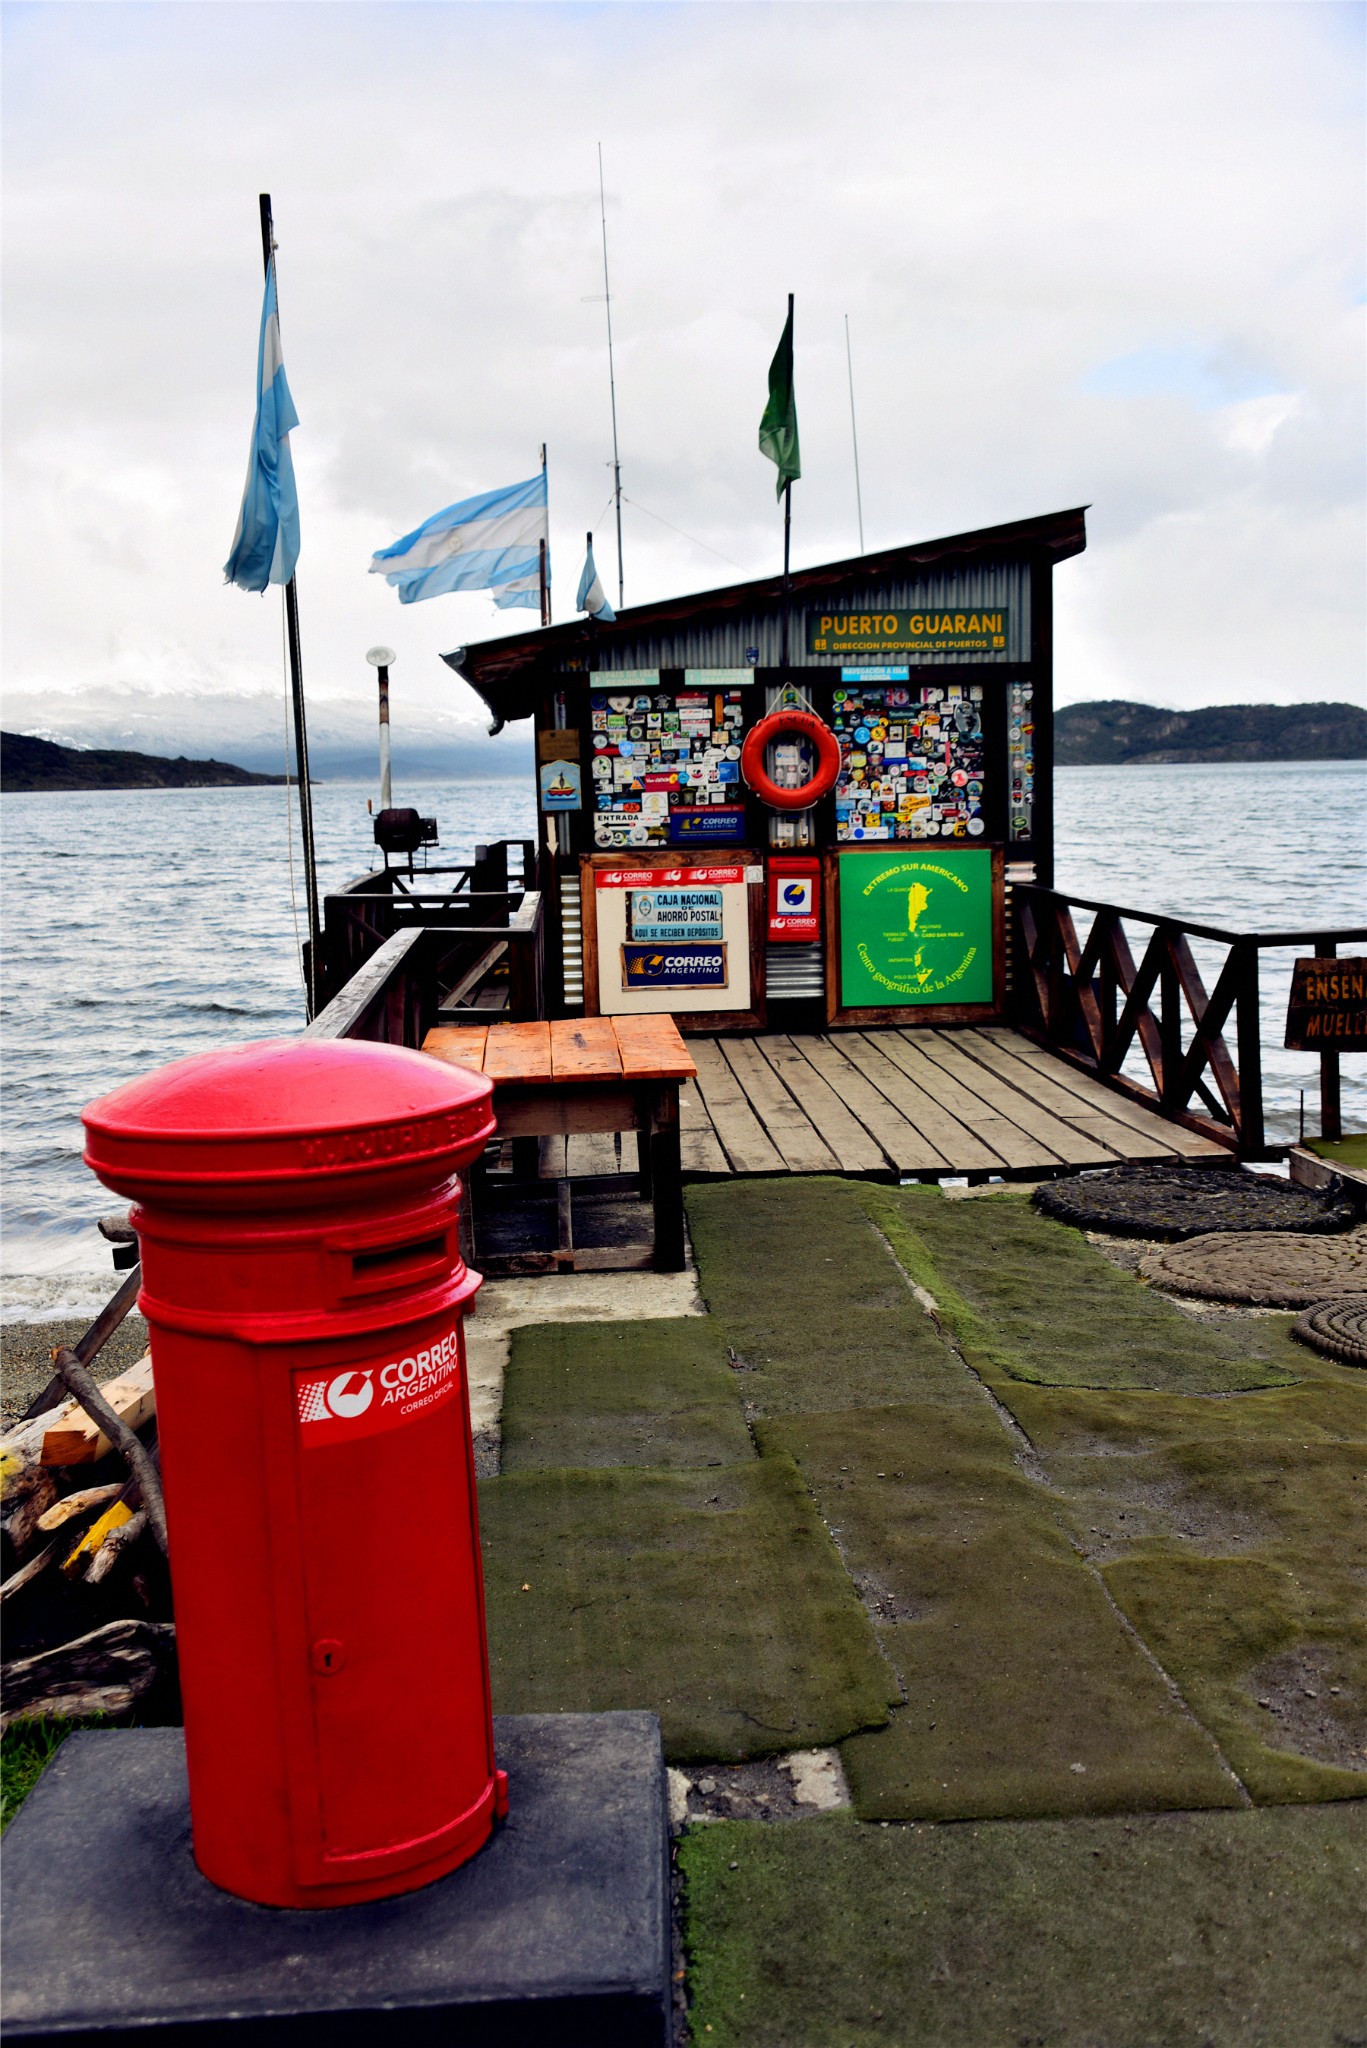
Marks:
<point>303,1119</point>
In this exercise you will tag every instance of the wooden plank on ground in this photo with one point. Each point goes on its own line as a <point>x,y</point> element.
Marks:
<point>652,1049</point>
<point>802,1145</point>
<point>1187,1144</point>
<point>1011,1147</point>
<point>903,1144</point>
<point>746,1143</point>
<point>923,1099</point>
<point>584,1049</point>
<point>1127,1144</point>
<point>518,1052</point>
<point>700,1151</point>
<point>460,1045</point>
<point>71,1438</point>
<point>854,1149</point>
<point>1074,1147</point>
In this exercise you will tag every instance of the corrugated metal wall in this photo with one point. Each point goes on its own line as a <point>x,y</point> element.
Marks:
<point>723,644</point>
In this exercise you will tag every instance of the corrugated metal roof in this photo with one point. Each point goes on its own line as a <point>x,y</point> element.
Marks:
<point>716,628</point>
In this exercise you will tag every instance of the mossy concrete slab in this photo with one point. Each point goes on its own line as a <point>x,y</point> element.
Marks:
<point>715,1599</point>
<point>819,1315</point>
<point>1026,1693</point>
<point>1030,1300</point>
<point>1203,1930</point>
<point>652,1393</point>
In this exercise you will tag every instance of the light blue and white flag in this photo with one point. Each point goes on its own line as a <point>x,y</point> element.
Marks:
<point>266,543</point>
<point>592,597</point>
<point>492,542</point>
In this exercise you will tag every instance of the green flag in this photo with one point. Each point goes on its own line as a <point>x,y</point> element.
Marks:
<point>778,428</point>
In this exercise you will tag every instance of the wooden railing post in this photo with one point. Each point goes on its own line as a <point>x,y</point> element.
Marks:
<point>1169,1025</point>
<point>1331,1106</point>
<point>1249,1129</point>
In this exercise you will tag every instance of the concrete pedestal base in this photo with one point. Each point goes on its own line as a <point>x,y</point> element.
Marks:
<point>557,1931</point>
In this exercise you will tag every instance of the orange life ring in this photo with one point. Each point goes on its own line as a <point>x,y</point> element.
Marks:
<point>807,726</point>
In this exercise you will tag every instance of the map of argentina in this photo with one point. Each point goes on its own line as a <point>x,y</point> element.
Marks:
<point>915,928</point>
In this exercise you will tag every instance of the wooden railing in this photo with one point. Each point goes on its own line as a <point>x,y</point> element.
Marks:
<point>492,923</point>
<point>1093,1002</point>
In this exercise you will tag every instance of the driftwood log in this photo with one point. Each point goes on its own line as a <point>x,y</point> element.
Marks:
<point>124,1440</point>
<point>105,1672</point>
<point>28,1498</point>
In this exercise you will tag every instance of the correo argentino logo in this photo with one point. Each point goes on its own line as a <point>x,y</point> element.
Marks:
<point>340,1396</point>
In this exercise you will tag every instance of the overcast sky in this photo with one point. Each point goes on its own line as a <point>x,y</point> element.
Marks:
<point>1090,253</point>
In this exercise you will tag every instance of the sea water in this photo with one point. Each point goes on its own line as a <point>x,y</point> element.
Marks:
<point>140,926</point>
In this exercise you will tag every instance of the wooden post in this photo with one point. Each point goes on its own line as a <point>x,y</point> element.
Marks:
<point>666,1173</point>
<point>1250,1133</point>
<point>1331,1104</point>
<point>1169,1024</point>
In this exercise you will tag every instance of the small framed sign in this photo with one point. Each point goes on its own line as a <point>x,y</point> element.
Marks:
<point>1328,1007</point>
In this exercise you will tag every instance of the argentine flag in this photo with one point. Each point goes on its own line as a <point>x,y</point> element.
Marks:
<point>266,543</point>
<point>492,542</point>
<point>592,597</point>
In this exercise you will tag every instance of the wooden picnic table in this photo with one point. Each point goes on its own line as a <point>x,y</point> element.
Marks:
<point>588,1074</point>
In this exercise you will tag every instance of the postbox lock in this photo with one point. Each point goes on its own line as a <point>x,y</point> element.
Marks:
<point>327,1656</point>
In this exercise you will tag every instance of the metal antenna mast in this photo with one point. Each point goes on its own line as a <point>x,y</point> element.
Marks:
<point>612,379</point>
<point>854,436</point>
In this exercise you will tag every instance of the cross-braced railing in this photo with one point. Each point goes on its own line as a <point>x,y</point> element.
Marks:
<point>1092,1001</point>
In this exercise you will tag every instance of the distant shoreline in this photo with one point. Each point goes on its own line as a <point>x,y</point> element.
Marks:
<point>32,766</point>
<point>1113,733</point>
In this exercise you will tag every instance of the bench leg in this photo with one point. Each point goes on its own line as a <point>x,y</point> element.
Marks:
<point>667,1181</point>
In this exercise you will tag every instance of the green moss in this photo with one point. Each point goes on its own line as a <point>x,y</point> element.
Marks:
<point>1030,1300</point>
<point>658,1393</point>
<point>1225,1929</point>
<point>1025,1692</point>
<point>820,1315</point>
<point>1212,1621</point>
<point>713,1598</point>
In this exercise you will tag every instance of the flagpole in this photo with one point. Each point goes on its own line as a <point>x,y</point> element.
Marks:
<point>612,382</point>
<point>787,528</point>
<point>854,436</point>
<point>541,552</point>
<point>301,744</point>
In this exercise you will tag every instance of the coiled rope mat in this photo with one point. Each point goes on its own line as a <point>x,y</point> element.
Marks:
<point>1285,1269</point>
<point>1188,1201</point>
<point>1338,1328</point>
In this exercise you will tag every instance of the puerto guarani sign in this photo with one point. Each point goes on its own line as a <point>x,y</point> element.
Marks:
<point>915,928</point>
<point>1328,1007</point>
<point>931,631</point>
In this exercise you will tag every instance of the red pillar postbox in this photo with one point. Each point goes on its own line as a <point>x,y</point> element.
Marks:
<point>297,1207</point>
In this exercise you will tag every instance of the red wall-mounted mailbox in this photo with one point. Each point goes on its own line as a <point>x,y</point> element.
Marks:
<point>794,897</point>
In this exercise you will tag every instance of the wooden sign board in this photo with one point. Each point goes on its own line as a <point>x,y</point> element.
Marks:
<point>1328,1007</point>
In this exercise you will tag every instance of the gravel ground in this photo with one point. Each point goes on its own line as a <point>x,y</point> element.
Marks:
<point>26,1357</point>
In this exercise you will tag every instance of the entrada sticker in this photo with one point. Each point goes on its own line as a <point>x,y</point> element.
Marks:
<point>365,1400</point>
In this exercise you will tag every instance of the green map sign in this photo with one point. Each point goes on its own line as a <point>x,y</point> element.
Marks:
<point>915,927</point>
<point>839,634</point>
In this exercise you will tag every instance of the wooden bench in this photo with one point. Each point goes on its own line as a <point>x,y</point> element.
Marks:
<point>587,1074</point>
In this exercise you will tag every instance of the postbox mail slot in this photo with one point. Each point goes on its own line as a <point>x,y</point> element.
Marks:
<point>400,1261</point>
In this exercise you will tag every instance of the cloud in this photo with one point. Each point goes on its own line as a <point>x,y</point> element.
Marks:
<point>1089,254</point>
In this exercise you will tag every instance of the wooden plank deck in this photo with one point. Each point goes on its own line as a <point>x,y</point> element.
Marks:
<point>888,1103</point>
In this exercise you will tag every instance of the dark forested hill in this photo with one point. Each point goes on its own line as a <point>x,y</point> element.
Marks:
<point>27,763</point>
<point>1112,731</point>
